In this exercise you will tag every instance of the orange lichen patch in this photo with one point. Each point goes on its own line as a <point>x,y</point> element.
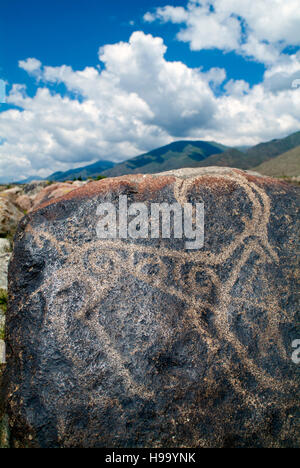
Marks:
<point>52,192</point>
<point>151,184</point>
<point>219,184</point>
<point>138,183</point>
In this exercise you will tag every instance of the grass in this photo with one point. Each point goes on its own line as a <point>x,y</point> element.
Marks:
<point>3,299</point>
<point>10,237</point>
<point>4,432</point>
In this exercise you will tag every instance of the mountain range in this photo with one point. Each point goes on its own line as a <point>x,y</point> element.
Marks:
<point>83,172</point>
<point>278,158</point>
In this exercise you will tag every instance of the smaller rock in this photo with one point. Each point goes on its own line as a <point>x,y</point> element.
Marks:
<point>34,187</point>
<point>4,261</point>
<point>11,194</point>
<point>2,352</point>
<point>4,246</point>
<point>2,321</point>
<point>24,202</point>
<point>5,254</point>
<point>79,183</point>
<point>10,216</point>
<point>54,191</point>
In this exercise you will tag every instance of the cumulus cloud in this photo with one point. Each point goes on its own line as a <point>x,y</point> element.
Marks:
<point>246,27</point>
<point>137,100</point>
<point>31,65</point>
<point>281,75</point>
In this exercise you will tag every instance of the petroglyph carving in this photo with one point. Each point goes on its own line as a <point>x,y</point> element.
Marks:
<point>209,292</point>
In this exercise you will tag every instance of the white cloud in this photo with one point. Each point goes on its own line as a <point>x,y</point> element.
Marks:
<point>257,29</point>
<point>136,101</point>
<point>281,75</point>
<point>237,88</point>
<point>31,65</point>
<point>168,13</point>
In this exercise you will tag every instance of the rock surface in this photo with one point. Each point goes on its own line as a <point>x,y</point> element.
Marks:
<point>5,255</point>
<point>24,202</point>
<point>53,191</point>
<point>12,193</point>
<point>2,352</point>
<point>9,216</point>
<point>141,343</point>
<point>28,196</point>
<point>4,246</point>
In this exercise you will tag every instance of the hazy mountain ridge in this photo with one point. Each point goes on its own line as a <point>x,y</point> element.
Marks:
<point>190,153</point>
<point>266,151</point>
<point>91,170</point>
<point>284,165</point>
<point>254,156</point>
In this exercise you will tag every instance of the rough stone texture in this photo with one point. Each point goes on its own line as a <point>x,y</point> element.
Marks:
<point>55,191</point>
<point>23,195</point>
<point>12,193</point>
<point>9,216</point>
<point>2,320</point>
<point>28,196</point>
<point>4,260</point>
<point>34,187</point>
<point>4,246</point>
<point>145,344</point>
<point>24,202</point>
<point>2,352</point>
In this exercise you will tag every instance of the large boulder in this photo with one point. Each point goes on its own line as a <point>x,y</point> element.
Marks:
<point>144,343</point>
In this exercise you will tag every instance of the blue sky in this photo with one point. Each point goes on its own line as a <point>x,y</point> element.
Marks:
<point>70,32</point>
<point>89,80</point>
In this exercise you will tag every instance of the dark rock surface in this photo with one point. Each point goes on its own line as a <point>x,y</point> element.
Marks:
<point>124,343</point>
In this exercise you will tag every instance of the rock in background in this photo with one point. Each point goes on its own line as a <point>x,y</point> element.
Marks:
<point>55,191</point>
<point>28,196</point>
<point>10,216</point>
<point>5,254</point>
<point>141,343</point>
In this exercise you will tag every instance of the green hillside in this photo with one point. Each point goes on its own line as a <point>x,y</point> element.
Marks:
<point>230,158</point>
<point>265,151</point>
<point>252,157</point>
<point>173,156</point>
<point>202,154</point>
<point>284,165</point>
<point>93,170</point>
